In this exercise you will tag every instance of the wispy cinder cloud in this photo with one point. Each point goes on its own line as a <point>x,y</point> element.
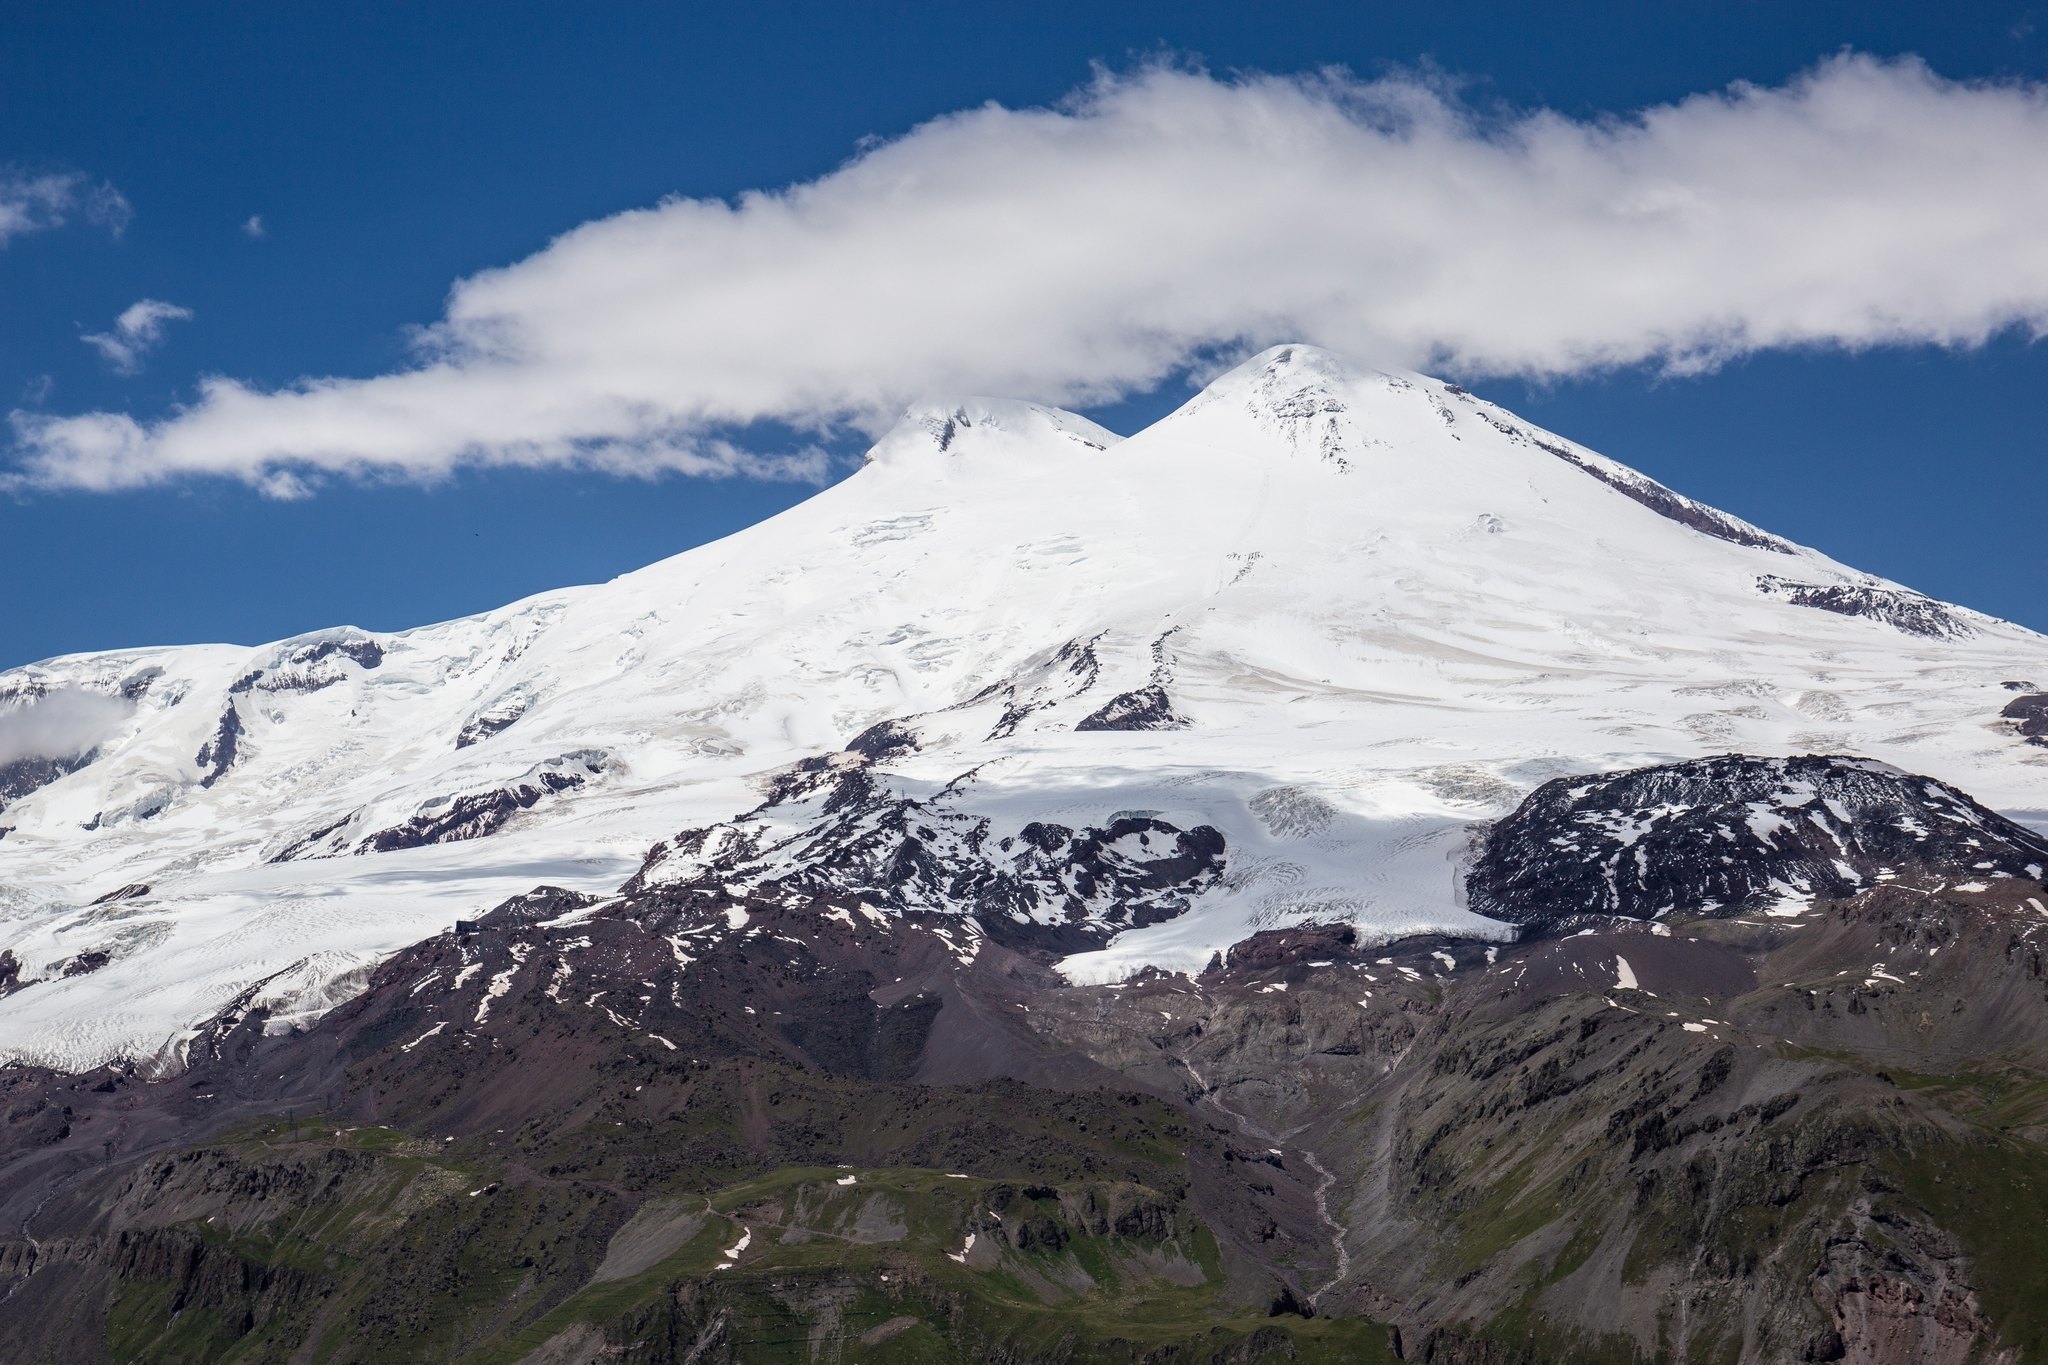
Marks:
<point>1079,252</point>
<point>37,203</point>
<point>135,333</point>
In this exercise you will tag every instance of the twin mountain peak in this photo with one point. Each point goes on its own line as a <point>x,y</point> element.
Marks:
<point>1280,659</point>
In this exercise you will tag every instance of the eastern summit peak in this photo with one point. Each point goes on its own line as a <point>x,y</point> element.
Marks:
<point>1278,373</point>
<point>1316,402</point>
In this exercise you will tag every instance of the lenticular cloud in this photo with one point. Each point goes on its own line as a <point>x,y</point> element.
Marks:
<point>1077,253</point>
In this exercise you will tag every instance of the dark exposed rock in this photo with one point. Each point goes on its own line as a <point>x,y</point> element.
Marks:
<point>10,973</point>
<point>1640,489</point>
<point>1672,506</point>
<point>310,665</point>
<point>310,844</point>
<point>1147,708</point>
<point>473,815</point>
<point>1074,670</point>
<point>86,963</point>
<point>493,718</point>
<point>482,727</point>
<point>136,686</point>
<point>851,1037</point>
<point>1281,947</point>
<point>132,891</point>
<point>837,833</point>
<point>1290,1304</point>
<point>1014,714</point>
<point>217,755</point>
<point>1290,393</point>
<point>883,741</point>
<point>1080,658</point>
<point>1906,611</point>
<point>2029,716</point>
<point>366,653</point>
<point>1732,833</point>
<point>24,775</point>
<point>22,690</point>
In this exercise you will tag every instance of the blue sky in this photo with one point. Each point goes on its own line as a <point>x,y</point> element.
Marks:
<point>390,151</point>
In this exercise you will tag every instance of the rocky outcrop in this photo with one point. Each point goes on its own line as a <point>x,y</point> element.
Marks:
<point>25,775</point>
<point>2028,717</point>
<point>1638,488</point>
<point>1895,607</point>
<point>839,830</point>
<point>1147,708</point>
<point>311,664</point>
<point>498,715</point>
<point>473,815</point>
<point>1735,833</point>
<point>218,754</point>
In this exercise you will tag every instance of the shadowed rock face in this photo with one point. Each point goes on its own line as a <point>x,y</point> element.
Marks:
<point>1735,833</point>
<point>217,755</point>
<point>476,814</point>
<point>463,815</point>
<point>1672,506</point>
<point>487,723</point>
<point>2029,716</point>
<point>24,775</point>
<point>311,665</point>
<point>1148,708</point>
<point>1638,488</point>
<point>1906,611</point>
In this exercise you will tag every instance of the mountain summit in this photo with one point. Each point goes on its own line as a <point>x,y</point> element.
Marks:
<point>1269,662</point>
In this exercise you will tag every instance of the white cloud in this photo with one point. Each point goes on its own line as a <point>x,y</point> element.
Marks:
<point>252,226</point>
<point>135,333</point>
<point>37,203</point>
<point>60,724</point>
<point>1076,253</point>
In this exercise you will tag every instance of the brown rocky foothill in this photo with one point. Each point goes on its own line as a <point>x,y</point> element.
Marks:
<point>1572,1133</point>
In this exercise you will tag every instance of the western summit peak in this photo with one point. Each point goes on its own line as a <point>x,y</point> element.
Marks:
<point>976,428</point>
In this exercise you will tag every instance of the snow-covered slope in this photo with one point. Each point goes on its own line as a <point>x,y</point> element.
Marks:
<point>1335,616</point>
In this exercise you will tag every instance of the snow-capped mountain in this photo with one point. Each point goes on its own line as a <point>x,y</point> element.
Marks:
<point>1275,659</point>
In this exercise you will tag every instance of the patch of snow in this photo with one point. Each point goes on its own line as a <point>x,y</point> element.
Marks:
<point>424,1036</point>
